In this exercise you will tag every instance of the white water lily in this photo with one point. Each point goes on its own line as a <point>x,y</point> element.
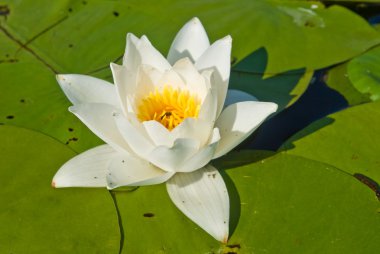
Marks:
<point>163,121</point>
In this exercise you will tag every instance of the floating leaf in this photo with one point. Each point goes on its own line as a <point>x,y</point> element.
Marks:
<point>283,89</point>
<point>279,198</point>
<point>74,36</point>
<point>347,140</point>
<point>364,73</point>
<point>34,217</point>
<point>337,79</point>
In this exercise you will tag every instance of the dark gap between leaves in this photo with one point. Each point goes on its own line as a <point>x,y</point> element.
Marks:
<point>372,184</point>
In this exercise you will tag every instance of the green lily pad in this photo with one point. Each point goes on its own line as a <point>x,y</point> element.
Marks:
<point>283,89</point>
<point>84,36</point>
<point>32,98</point>
<point>364,73</point>
<point>278,206</point>
<point>36,218</point>
<point>347,140</point>
<point>297,34</point>
<point>337,79</point>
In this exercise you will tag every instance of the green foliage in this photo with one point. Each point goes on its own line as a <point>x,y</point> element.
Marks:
<point>283,89</point>
<point>347,140</point>
<point>337,79</point>
<point>279,203</point>
<point>364,73</point>
<point>282,204</point>
<point>34,217</point>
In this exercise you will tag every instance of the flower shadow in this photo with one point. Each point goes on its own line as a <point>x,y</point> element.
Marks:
<point>229,162</point>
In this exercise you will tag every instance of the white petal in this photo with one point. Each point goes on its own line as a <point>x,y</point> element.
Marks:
<point>86,89</point>
<point>192,128</point>
<point>191,41</point>
<point>136,140</point>
<point>238,121</point>
<point>127,170</point>
<point>131,57</point>
<point>125,82</point>
<point>171,79</point>
<point>88,169</point>
<point>203,156</point>
<point>208,108</point>
<point>141,51</point>
<point>98,118</point>
<point>234,96</point>
<point>194,81</point>
<point>158,133</point>
<point>188,129</point>
<point>202,196</point>
<point>218,57</point>
<point>147,79</point>
<point>172,158</point>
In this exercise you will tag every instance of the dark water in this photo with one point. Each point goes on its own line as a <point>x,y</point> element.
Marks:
<point>318,101</point>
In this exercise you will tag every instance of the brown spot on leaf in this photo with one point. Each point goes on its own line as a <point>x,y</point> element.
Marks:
<point>4,10</point>
<point>148,215</point>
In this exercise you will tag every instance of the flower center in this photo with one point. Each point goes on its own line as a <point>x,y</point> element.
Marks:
<point>169,107</point>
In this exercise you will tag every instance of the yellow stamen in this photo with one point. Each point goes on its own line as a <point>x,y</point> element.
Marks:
<point>169,107</point>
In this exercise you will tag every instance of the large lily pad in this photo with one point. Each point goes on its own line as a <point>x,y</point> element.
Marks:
<point>34,217</point>
<point>347,140</point>
<point>364,73</point>
<point>296,34</point>
<point>278,206</point>
<point>31,98</point>
<point>337,79</point>
<point>283,89</point>
<point>84,36</point>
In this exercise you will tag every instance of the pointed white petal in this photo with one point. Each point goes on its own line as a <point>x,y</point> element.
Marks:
<point>203,156</point>
<point>188,129</point>
<point>193,80</point>
<point>131,57</point>
<point>209,106</point>
<point>158,133</point>
<point>171,158</point>
<point>147,78</point>
<point>234,96</point>
<point>218,57</point>
<point>172,79</point>
<point>136,139</point>
<point>98,118</point>
<point>191,41</point>
<point>125,82</point>
<point>85,89</point>
<point>88,169</point>
<point>141,51</point>
<point>127,170</point>
<point>238,121</point>
<point>192,128</point>
<point>202,196</point>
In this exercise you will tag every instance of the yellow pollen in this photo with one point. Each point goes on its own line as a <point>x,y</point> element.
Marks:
<point>168,107</point>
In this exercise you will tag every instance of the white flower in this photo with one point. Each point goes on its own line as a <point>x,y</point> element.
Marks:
<point>164,121</point>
